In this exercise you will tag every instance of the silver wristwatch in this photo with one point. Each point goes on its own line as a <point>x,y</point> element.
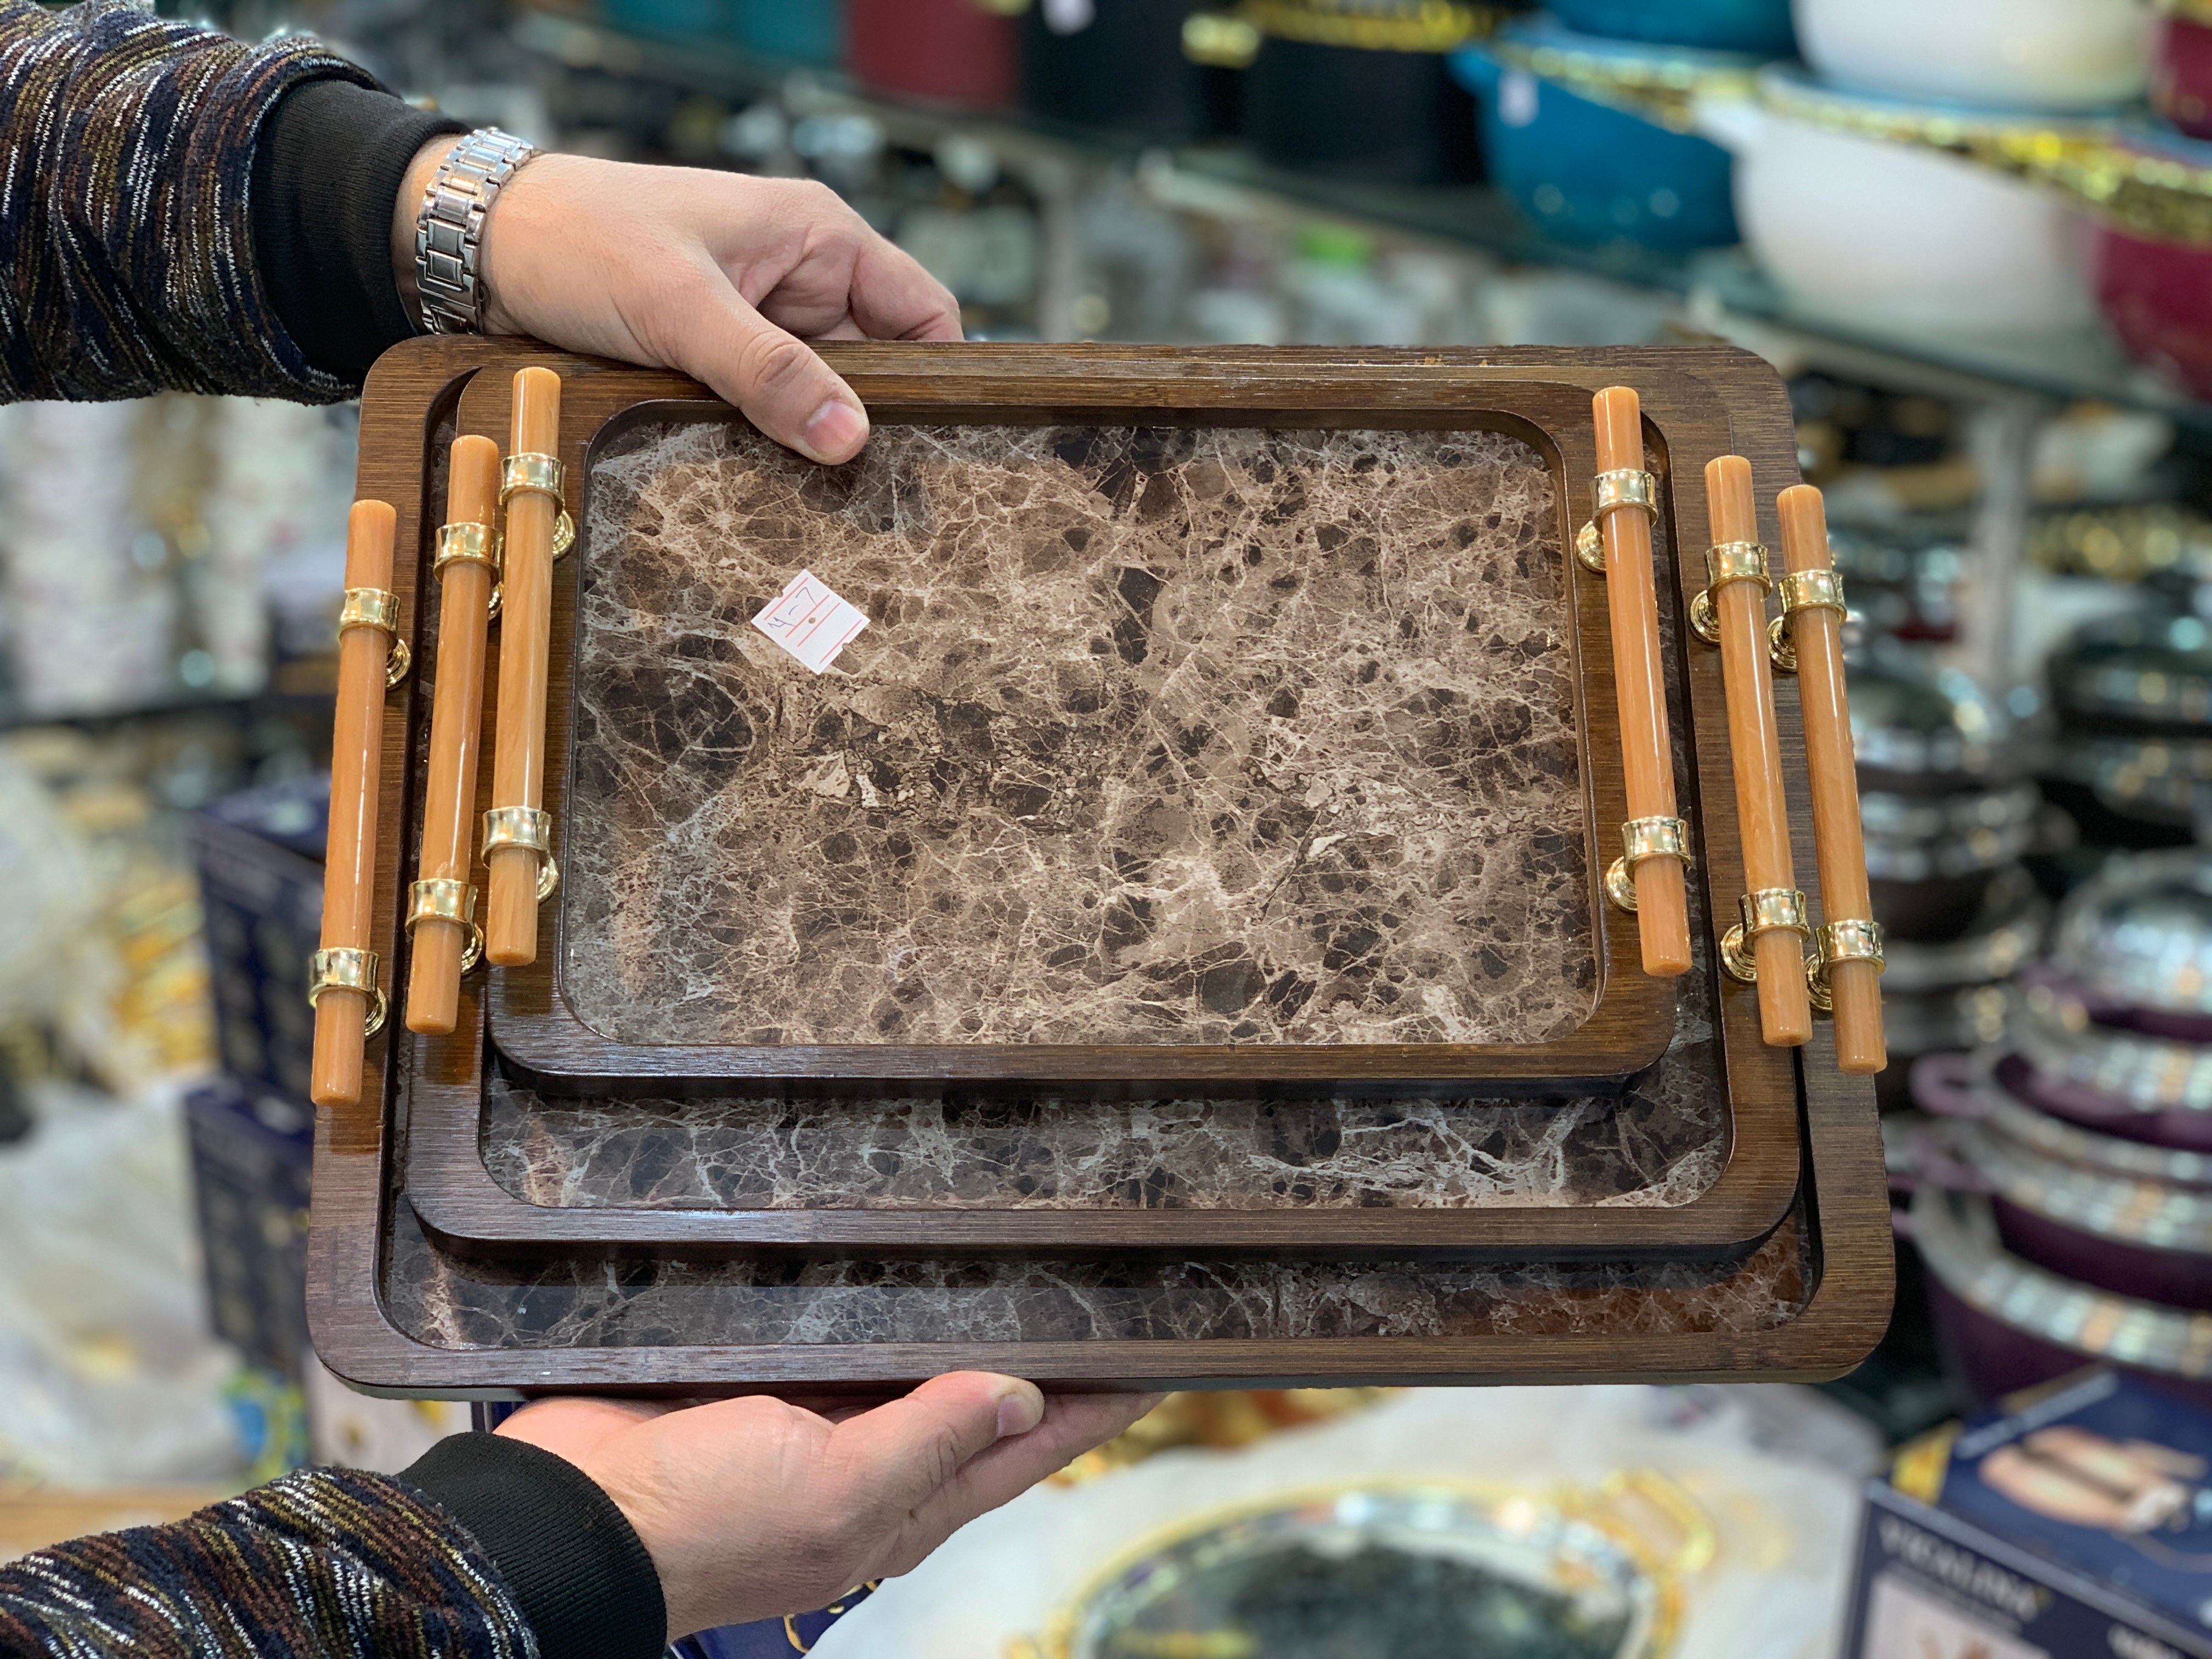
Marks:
<point>449,228</point>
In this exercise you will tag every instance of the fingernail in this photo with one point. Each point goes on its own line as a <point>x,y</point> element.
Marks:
<point>1020,1410</point>
<point>835,432</point>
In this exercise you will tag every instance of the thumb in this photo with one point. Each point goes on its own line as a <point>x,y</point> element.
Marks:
<point>776,377</point>
<point>912,1446</point>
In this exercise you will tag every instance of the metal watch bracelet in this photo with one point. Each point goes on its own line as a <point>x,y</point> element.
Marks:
<point>449,228</point>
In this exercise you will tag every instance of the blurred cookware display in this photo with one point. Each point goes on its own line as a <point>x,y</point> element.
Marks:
<point>1119,65</point>
<point>1940,795</point>
<point>2056,1033</point>
<point>949,50</point>
<point>2137,942</point>
<point>1389,1567</point>
<point>2181,65</point>
<point>2145,671</point>
<point>2005,1324</point>
<point>1904,580</point>
<point>2129,1234</point>
<point>2158,789</point>
<point>1758,26</point>
<point>1362,89</point>
<point>2153,272</point>
<point>1592,138</point>
<point>1855,220</point>
<point>2059,56</point>
<point>2002,936</point>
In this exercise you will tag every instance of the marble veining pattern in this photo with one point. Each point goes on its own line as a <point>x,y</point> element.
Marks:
<point>1660,1144</point>
<point>1155,736</point>
<point>581,1302</point>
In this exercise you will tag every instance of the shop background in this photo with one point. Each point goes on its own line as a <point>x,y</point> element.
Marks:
<point>1998,360</point>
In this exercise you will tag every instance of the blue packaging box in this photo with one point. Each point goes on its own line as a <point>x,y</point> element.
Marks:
<point>252,1148</point>
<point>2076,1520</point>
<point>261,884</point>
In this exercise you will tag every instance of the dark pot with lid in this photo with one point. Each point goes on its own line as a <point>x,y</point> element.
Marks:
<point>1942,791</point>
<point>2006,1324</point>
<point>2136,941</point>
<point>1363,89</point>
<point>1123,65</point>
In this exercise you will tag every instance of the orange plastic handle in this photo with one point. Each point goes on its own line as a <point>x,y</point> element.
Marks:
<point>356,761</point>
<point>1854,986</point>
<point>525,644</point>
<point>449,788</point>
<point>1663,906</point>
<point>1785,1007</point>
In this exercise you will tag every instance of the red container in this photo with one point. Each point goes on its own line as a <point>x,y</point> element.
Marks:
<point>2181,75</point>
<point>951,50</point>
<point>2158,295</point>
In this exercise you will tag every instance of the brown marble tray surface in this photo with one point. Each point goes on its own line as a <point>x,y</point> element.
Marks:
<point>395,1311</point>
<point>1224,735</point>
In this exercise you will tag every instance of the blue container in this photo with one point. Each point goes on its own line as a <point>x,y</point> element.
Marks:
<point>680,18</point>
<point>803,31</point>
<point>1753,26</point>
<point>1589,173</point>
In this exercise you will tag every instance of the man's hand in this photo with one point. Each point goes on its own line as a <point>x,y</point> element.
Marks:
<point>720,275</point>
<point>754,1508</point>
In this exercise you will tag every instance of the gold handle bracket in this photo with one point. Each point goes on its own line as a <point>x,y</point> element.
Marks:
<point>535,474</point>
<point>378,608</point>
<point>1642,839</point>
<point>1726,562</point>
<point>343,969</point>
<point>1770,910</point>
<point>528,827</point>
<point>1625,486</point>
<point>441,899</point>
<point>1839,942</point>
<point>1801,591</point>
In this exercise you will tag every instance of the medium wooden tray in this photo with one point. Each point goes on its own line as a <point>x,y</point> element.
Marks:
<point>1541,399</point>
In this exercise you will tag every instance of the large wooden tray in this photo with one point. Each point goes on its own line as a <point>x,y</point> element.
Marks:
<point>395,1311</point>
<point>657,674</point>
<point>399,1309</point>
<point>1757,1160</point>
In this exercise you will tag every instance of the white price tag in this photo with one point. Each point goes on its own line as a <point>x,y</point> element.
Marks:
<point>810,621</point>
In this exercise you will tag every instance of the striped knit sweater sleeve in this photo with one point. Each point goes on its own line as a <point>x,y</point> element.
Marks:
<point>128,149</point>
<point>487,1548</point>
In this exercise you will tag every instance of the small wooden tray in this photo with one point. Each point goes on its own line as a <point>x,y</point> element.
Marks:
<point>692,768</point>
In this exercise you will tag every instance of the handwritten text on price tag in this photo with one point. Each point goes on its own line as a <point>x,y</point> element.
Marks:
<point>810,621</point>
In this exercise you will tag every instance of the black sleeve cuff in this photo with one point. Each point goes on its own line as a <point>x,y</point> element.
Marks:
<point>571,1559</point>
<point>327,170</point>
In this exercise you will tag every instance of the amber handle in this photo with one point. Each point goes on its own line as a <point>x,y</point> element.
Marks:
<point>1772,942</point>
<point>1847,964</point>
<point>1663,908</point>
<point>348,1004</point>
<point>442,942</point>
<point>515,872</point>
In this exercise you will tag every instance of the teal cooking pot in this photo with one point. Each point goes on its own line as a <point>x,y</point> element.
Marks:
<point>1582,147</point>
<point>1752,26</point>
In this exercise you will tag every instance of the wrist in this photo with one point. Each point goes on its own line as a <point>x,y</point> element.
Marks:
<point>413,187</point>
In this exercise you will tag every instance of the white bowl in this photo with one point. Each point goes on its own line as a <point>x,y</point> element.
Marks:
<point>1897,237</point>
<point>2053,55</point>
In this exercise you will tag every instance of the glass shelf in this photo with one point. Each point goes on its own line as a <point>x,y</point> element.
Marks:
<point>1721,291</point>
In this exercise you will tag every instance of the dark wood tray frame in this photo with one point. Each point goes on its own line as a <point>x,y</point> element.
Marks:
<point>1545,402</point>
<point>403,437</point>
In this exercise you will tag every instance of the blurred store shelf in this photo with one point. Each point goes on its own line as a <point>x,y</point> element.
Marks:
<point>1721,292</point>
